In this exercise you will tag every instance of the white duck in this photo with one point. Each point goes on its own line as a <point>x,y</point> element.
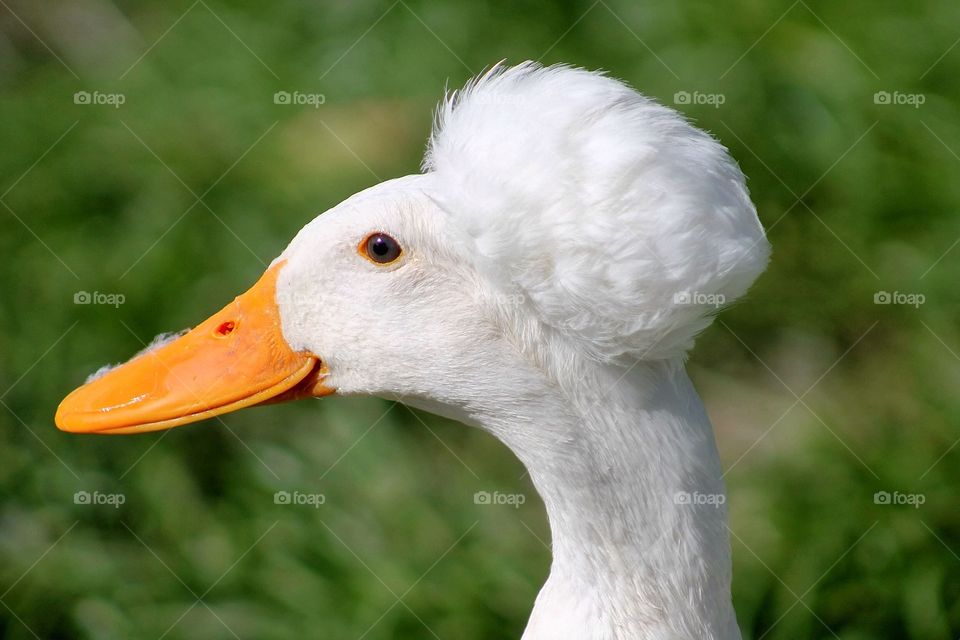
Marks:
<point>542,279</point>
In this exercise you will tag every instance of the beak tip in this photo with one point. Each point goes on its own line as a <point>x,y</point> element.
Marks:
<point>66,421</point>
<point>69,416</point>
<point>60,418</point>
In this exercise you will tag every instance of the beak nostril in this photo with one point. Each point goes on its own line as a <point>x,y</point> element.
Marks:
<point>225,328</point>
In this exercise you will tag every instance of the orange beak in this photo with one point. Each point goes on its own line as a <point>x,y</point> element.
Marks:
<point>236,358</point>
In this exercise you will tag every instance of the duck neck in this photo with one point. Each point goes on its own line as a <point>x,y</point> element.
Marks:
<point>628,469</point>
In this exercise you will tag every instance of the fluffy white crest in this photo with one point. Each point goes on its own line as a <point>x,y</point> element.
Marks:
<point>620,224</point>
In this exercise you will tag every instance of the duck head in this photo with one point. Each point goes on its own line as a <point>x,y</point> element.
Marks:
<point>560,215</point>
<point>372,297</point>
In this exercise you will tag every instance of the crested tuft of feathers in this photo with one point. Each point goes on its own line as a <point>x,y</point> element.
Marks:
<point>623,226</point>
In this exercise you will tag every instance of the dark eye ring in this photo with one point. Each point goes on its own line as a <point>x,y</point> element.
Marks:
<point>380,248</point>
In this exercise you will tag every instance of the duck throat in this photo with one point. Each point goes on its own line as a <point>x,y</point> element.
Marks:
<point>628,469</point>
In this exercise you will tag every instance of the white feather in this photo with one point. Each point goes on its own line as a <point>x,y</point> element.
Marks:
<point>567,241</point>
<point>610,213</point>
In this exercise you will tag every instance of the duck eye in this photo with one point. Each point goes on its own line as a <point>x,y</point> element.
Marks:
<point>381,248</point>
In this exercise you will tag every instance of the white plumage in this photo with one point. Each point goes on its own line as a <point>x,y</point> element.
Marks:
<point>565,244</point>
<point>548,272</point>
<point>610,213</point>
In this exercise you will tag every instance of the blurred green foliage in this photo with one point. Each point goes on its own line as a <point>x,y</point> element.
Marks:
<point>820,397</point>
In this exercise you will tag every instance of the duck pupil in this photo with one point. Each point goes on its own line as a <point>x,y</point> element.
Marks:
<point>380,246</point>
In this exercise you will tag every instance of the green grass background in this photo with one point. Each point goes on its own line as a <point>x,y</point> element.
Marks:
<point>858,198</point>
